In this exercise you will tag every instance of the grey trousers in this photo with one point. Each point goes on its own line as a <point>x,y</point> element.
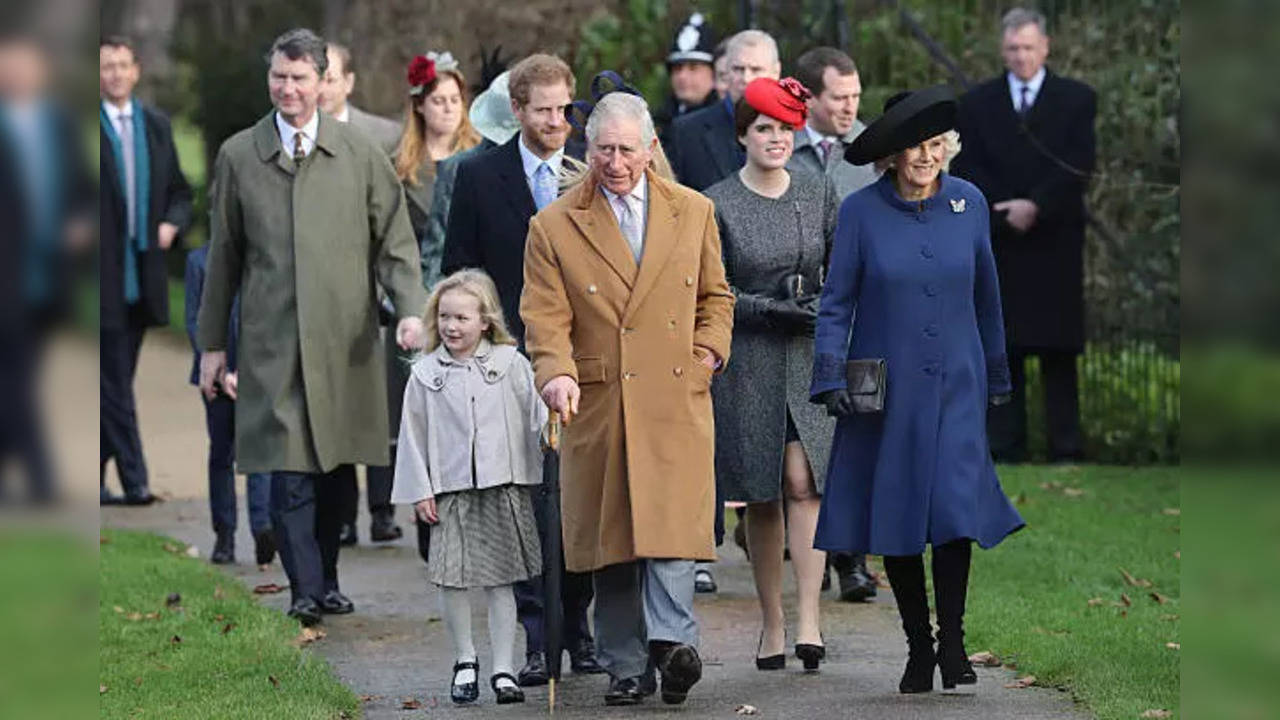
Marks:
<point>637,602</point>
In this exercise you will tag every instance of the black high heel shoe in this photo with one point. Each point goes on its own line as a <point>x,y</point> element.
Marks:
<point>464,693</point>
<point>954,666</point>
<point>811,655</point>
<point>772,662</point>
<point>506,695</point>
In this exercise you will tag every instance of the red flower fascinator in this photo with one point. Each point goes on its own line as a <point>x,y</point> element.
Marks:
<point>783,100</point>
<point>422,71</point>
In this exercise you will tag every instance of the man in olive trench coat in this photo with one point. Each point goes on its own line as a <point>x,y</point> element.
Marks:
<point>627,316</point>
<point>306,215</point>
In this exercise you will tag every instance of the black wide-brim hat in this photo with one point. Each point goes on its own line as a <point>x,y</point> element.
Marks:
<point>909,119</point>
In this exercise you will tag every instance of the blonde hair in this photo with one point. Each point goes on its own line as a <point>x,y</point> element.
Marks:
<point>412,149</point>
<point>951,142</point>
<point>479,285</point>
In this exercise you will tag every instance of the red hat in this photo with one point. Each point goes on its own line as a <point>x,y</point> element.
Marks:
<point>783,100</point>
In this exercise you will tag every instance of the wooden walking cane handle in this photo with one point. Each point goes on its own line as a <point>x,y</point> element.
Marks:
<point>553,432</point>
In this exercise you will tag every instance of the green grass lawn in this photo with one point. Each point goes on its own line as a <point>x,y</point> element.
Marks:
<point>214,653</point>
<point>1054,599</point>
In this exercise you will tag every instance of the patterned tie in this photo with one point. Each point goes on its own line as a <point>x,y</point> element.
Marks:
<point>629,223</point>
<point>544,186</point>
<point>1025,106</point>
<point>130,171</point>
<point>825,145</point>
<point>299,152</point>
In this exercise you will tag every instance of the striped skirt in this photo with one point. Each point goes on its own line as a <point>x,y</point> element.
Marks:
<point>484,538</point>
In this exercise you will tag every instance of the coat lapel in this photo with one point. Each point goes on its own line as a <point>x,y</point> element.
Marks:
<point>659,240</point>
<point>723,157</point>
<point>267,142</point>
<point>511,172</point>
<point>591,214</point>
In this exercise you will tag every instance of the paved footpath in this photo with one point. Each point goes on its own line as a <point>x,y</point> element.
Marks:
<point>394,648</point>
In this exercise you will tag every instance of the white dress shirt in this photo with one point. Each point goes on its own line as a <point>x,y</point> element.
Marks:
<point>345,115</point>
<point>307,131</point>
<point>531,162</point>
<point>1033,89</point>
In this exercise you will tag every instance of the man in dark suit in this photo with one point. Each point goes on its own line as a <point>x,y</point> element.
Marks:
<point>703,146</point>
<point>495,194</point>
<point>46,201</point>
<point>145,204</point>
<point>1028,143</point>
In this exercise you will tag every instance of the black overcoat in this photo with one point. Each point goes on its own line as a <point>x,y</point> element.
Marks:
<point>1042,271</point>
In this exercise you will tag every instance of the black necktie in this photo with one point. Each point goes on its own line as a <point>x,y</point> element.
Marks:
<point>1025,106</point>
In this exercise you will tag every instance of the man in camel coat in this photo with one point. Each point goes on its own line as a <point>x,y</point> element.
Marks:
<point>628,315</point>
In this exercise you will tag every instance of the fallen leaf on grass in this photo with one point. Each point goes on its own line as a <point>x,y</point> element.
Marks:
<point>1055,485</point>
<point>134,616</point>
<point>1095,602</point>
<point>1055,633</point>
<point>119,610</point>
<point>1159,598</point>
<point>1156,714</point>
<point>1173,512</point>
<point>137,682</point>
<point>985,659</point>
<point>170,547</point>
<point>1072,492</point>
<point>228,628</point>
<point>102,689</point>
<point>193,551</point>
<point>1173,645</point>
<point>1125,599</point>
<point>746,710</point>
<point>1133,581</point>
<point>1169,618</point>
<point>309,635</point>
<point>274,681</point>
<point>269,589</point>
<point>103,540</point>
<point>1177,554</point>
<point>217,592</point>
<point>1025,681</point>
<point>411,704</point>
<point>153,615</point>
<point>369,698</point>
<point>176,639</point>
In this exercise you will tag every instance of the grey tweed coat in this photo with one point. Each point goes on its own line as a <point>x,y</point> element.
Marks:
<point>764,240</point>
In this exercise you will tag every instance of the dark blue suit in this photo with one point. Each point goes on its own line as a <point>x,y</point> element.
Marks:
<point>488,223</point>
<point>703,146</point>
<point>220,419</point>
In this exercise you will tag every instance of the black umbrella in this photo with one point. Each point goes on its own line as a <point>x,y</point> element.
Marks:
<point>552,559</point>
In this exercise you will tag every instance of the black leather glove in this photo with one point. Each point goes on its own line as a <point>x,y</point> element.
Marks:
<point>792,316</point>
<point>838,402</point>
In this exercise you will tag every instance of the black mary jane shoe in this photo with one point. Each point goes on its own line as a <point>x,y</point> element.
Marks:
<point>772,662</point>
<point>811,655</point>
<point>506,695</point>
<point>464,693</point>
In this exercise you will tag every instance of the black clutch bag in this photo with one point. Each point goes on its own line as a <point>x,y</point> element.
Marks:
<point>866,380</point>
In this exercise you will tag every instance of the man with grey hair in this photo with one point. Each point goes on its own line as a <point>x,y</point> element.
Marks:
<point>307,214</point>
<point>1028,144</point>
<point>627,316</point>
<point>703,145</point>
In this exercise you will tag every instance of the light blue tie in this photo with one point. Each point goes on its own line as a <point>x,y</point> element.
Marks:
<point>544,186</point>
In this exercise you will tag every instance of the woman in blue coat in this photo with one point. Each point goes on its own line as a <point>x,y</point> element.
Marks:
<point>912,281</point>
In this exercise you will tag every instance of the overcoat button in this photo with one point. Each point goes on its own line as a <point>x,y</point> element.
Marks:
<point>591,289</point>
<point>688,281</point>
<point>678,371</point>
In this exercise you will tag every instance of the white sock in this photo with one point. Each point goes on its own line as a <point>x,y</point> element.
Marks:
<point>502,630</point>
<point>456,608</point>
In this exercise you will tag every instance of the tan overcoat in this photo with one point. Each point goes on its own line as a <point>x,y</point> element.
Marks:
<point>637,463</point>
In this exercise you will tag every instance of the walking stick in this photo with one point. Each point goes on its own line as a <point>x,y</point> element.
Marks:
<point>553,558</point>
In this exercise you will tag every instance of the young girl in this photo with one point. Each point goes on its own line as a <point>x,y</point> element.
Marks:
<point>468,452</point>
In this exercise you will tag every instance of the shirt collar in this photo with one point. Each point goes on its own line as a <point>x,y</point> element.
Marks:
<point>115,112</point>
<point>531,161</point>
<point>287,131</point>
<point>482,351</point>
<point>345,115</point>
<point>1033,85</point>
<point>816,137</point>
<point>637,194</point>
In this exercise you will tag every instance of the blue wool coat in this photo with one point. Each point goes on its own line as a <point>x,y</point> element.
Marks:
<point>916,283</point>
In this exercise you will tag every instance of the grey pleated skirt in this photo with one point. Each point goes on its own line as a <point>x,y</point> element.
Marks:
<point>484,538</point>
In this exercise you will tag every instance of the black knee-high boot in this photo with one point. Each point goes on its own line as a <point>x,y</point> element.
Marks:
<point>906,577</point>
<point>950,586</point>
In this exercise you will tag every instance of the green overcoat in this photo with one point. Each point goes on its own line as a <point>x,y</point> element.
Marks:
<point>305,246</point>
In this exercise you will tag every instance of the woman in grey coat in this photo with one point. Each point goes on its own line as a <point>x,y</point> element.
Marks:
<point>775,229</point>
